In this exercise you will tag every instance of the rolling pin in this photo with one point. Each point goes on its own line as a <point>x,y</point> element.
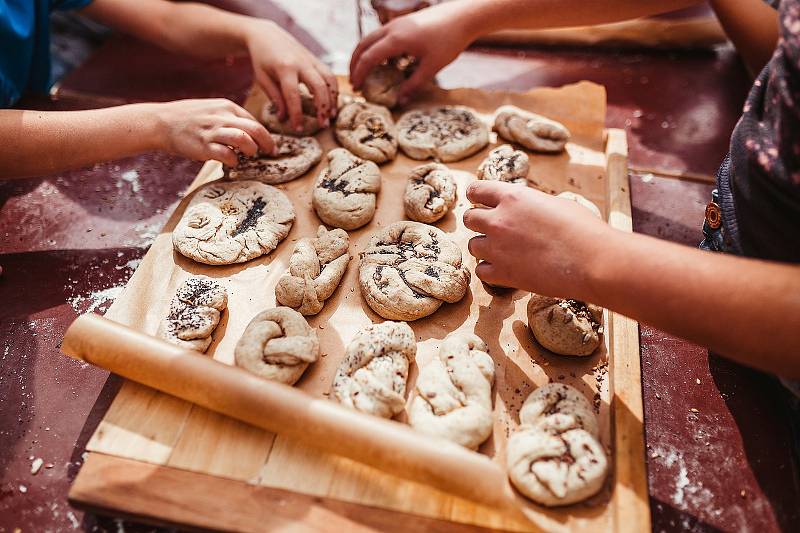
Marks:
<point>384,444</point>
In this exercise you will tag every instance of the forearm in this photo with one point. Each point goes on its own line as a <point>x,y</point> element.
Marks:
<point>183,27</point>
<point>482,17</point>
<point>745,309</point>
<point>37,142</point>
<point>752,26</point>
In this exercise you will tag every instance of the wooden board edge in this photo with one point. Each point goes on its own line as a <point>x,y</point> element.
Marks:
<point>152,494</point>
<point>630,502</point>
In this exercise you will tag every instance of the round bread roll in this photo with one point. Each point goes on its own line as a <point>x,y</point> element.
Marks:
<point>445,133</point>
<point>565,327</point>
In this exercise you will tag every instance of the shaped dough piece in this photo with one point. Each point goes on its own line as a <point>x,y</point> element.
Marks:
<point>382,83</point>
<point>409,269</point>
<point>295,156</point>
<point>345,192</point>
<point>310,125</point>
<point>582,201</point>
<point>556,405</point>
<point>233,222</point>
<point>278,344</point>
<point>430,193</point>
<point>565,327</point>
<point>372,377</point>
<point>505,164</point>
<point>453,396</point>
<point>368,131</point>
<point>316,268</point>
<point>556,468</point>
<point>532,131</point>
<point>194,313</point>
<point>446,133</point>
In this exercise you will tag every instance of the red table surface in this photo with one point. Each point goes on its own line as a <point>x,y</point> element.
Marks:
<point>70,241</point>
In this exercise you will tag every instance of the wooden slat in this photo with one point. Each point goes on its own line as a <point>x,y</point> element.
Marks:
<point>172,497</point>
<point>630,504</point>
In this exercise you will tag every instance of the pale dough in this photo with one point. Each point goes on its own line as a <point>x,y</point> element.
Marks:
<point>345,192</point>
<point>310,124</point>
<point>194,313</point>
<point>430,193</point>
<point>445,133</point>
<point>295,156</point>
<point>368,131</point>
<point>505,164</point>
<point>530,130</point>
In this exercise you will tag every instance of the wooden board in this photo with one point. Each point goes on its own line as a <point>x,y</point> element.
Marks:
<point>149,427</point>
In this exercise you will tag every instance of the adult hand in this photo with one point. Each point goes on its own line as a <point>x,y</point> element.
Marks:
<point>533,241</point>
<point>209,129</point>
<point>433,36</point>
<point>280,63</point>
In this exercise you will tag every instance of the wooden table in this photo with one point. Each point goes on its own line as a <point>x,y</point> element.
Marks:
<point>70,241</point>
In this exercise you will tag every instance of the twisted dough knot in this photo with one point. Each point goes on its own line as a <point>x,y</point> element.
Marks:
<point>372,377</point>
<point>555,457</point>
<point>278,344</point>
<point>409,269</point>
<point>532,131</point>
<point>194,313</point>
<point>368,131</point>
<point>505,164</point>
<point>315,270</point>
<point>454,392</point>
<point>430,193</point>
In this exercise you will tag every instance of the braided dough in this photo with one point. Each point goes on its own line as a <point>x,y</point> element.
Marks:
<point>345,193</point>
<point>278,344</point>
<point>368,131</point>
<point>315,269</point>
<point>454,392</point>
<point>505,164</point>
<point>532,131</point>
<point>446,133</point>
<point>556,462</point>
<point>372,377</point>
<point>310,124</point>
<point>233,222</point>
<point>194,313</point>
<point>430,193</point>
<point>409,269</point>
<point>295,156</point>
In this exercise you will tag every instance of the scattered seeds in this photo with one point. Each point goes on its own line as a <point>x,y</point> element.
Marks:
<point>36,465</point>
<point>694,410</point>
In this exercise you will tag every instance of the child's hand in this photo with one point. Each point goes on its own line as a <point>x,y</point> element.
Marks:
<point>280,63</point>
<point>433,36</point>
<point>534,241</point>
<point>209,129</point>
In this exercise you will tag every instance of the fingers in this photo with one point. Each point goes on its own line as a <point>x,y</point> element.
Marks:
<point>237,139</point>
<point>488,193</point>
<point>272,91</point>
<point>479,247</point>
<point>375,55</point>
<point>478,219</point>
<point>422,75</point>
<point>333,87</point>
<point>322,95</point>
<point>365,43</point>
<point>488,273</point>
<point>257,132</point>
<point>291,95</point>
<point>222,153</point>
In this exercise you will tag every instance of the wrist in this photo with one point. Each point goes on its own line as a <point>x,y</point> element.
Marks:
<point>154,125</point>
<point>608,257</point>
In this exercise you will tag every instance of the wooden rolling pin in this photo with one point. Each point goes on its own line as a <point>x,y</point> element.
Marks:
<point>384,444</point>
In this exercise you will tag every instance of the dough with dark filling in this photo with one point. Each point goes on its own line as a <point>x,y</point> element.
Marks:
<point>295,156</point>
<point>408,270</point>
<point>505,164</point>
<point>345,192</point>
<point>445,133</point>
<point>278,344</point>
<point>233,222</point>
<point>194,313</point>
<point>316,267</point>
<point>372,377</point>
<point>453,394</point>
<point>430,193</point>
<point>368,131</point>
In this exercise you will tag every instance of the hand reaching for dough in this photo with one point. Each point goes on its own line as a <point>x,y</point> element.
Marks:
<point>210,129</point>
<point>533,241</point>
<point>280,63</point>
<point>433,36</point>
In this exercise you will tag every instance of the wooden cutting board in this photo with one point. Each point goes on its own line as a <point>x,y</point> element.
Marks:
<point>162,459</point>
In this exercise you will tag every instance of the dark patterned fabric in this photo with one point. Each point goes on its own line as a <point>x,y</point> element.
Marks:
<point>759,192</point>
